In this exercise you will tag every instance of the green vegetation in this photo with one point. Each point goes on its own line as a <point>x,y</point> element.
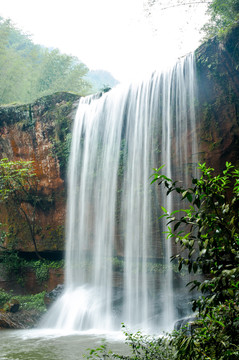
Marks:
<point>29,71</point>
<point>142,347</point>
<point>61,141</point>
<point>15,176</point>
<point>222,15</point>
<point>30,302</point>
<point>42,267</point>
<point>17,267</point>
<point>21,199</point>
<point>18,190</point>
<point>27,302</point>
<point>13,265</point>
<point>208,235</point>
<point>4,297</point>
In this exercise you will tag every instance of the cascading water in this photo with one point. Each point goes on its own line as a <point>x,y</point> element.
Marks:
<point>117,262</point>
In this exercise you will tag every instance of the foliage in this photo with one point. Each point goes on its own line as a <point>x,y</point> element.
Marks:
<point>3,234</point>
<point>222,15</point>
<point>13,264</point>
<point>209,239</point>
<point>18,188</point>
<point>42,267</point>
<point>141,347</point>
<point>28,71</point>
<point>61,142</point>
<point>41,271</point>
<point>61,72</point>
<point>215,335</point>
<point>27,302</point>
<point>208,235</point>
<point>18,267</point>
<point>15,176</point>
<point>4,297</point>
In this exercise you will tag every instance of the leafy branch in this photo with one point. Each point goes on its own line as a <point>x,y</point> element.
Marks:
<point>18,186</point>
<point>207,231</point>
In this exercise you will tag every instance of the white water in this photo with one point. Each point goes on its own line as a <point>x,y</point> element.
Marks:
<point>112,215</point>
<point>45,344</point>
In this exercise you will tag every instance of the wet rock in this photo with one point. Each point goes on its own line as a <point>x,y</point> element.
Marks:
<point>6,322</point>
<point>189,324</point>
<point>51,296</point>
<point>23,319</point>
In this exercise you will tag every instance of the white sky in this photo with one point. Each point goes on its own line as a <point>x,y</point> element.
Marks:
<point>113,35</point>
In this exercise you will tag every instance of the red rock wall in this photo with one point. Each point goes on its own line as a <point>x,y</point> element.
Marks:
<point>28,132</point>
<point>31,284</point>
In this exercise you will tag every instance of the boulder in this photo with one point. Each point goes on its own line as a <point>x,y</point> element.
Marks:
<point>22,319</point>
<point>188,324</point>
<point>51,296</point>
<point>6,322</point>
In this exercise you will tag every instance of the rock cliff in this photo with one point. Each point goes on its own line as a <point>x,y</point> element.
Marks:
<point>218,100</point>
<point>40,132</point>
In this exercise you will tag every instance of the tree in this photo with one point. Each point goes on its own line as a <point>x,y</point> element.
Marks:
<point>61,72</point>
<point>15,69</point>
<point>18,190</point>
<point>28,71</point>
<point>222,14</point>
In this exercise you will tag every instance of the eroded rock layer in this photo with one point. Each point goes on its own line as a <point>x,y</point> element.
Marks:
<point>39,132</point>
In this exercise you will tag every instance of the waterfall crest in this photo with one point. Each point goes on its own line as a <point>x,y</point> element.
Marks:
<point>117,261</point>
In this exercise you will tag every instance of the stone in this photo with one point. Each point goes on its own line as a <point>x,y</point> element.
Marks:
<point>188,324</point>
<point>51,296</point>
<point>22,319</point>
<point>6,322</point>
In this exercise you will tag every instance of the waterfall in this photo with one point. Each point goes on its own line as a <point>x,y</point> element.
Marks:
<point>117,260</point>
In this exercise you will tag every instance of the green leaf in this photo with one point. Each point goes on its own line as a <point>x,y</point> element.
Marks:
<point>164,210</point>
<point>195,267</point>
<point>231,292</point>
<point>176,226</point>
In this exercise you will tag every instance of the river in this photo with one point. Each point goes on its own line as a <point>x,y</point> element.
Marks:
<point>48,345</point>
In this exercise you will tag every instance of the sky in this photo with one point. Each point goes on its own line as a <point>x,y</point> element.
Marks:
<point>113,35</point>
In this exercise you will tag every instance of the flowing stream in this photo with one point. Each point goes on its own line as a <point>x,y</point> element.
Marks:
<point>43,344</point>
<point>117,259</point>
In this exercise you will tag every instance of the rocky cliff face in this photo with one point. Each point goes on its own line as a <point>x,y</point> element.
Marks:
<point>40,132</point>
<point>218,100</point>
